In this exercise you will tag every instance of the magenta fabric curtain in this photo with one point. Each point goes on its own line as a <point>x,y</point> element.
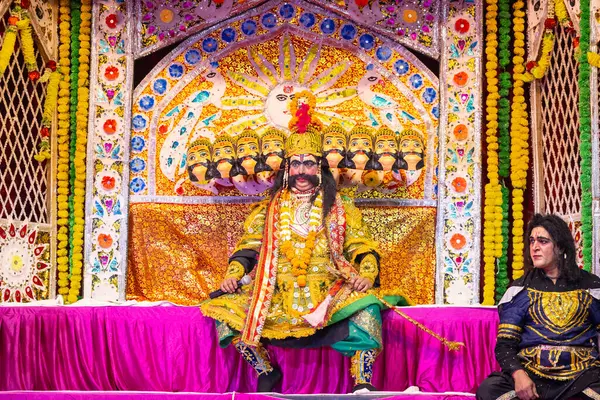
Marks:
<point>174,349</point>
<point>188,396</point>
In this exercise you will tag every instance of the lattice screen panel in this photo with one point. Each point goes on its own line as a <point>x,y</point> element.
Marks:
<point>560,130</point>
<point>23,180</point>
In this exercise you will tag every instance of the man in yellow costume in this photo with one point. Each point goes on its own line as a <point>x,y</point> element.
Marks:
<point>314,267</point>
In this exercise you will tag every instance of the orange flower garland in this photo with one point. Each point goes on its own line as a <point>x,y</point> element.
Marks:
<point>519,156</point>
<point>299,264</point>
<point>62,222</point>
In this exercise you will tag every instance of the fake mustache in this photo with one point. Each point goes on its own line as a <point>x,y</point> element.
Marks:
<point>314,179</point>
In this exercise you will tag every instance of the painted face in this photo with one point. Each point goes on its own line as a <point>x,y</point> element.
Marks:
<point>411,150</point>
<point>386,151</point>
<point>278,102</point>
<point>303,172</point>
<point>360,149</point>
<point>272,151</point>
<point>197,161</point>
<point>223,156</point>
<point>542,249</point>
<point>247,153</point>
<point>334,148</point>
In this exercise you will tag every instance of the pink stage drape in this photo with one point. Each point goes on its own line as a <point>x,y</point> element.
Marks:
<point>174,349</point>
<point>69,395</point>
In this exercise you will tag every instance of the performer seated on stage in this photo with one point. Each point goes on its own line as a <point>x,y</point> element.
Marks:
<point>547,338</point>
<point>314,266</point>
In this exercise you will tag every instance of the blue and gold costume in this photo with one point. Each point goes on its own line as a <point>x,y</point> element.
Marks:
<point>549,330</point>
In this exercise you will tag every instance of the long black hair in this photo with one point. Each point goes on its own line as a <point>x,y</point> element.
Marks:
<point>564,244</point>
<point>328,185</point>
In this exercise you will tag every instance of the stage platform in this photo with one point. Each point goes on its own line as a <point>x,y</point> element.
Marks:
<point>168,349</point>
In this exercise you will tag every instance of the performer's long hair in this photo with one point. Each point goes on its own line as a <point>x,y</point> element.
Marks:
<point>564,244</point>
<point>327,183</point>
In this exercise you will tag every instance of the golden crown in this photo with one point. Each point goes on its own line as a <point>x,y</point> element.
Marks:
<point>305,136</point>
<point>411,134</point>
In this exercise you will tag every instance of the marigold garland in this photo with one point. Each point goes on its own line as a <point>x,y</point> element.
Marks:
<point>24,26</point>
<point>585,147</point>
<point>8,45</point>
<point>492,188</point>
<point>62,221</point>
<point>537,69</point>
<point>519,139</point>
<point>560,10</point>
<point>299,264</point>
<point>50,103</point>
<point>80,153</point>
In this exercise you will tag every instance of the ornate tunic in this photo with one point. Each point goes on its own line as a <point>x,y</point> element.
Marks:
<point>549,328</point>
<point>290,301</point>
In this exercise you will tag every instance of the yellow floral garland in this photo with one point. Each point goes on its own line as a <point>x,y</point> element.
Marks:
<point>299,264</point>
<point>492,233</point>
<point>542,64</point>
<point>593,59</point>
<point>24,26</point>
<point>64,63</point>
<point>80,151</point>
<point>50,103</point>
<point>8,45</point>
<point>561,12</point>
<point>519,133</point>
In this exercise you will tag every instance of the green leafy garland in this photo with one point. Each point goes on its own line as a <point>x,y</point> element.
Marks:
<point>75,25</point>
<point>585,148</point>
<point>504,57</point>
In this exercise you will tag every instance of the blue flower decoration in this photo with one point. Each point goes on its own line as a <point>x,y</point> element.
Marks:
<point>287,11</point>
<point>416,81</point>
<point>436,112</point>
<point>348,32</point>
<point>137,185</point>
<point>192,57</point>
<point>138,143</point>
<point>401,67</point>
<point>249,28</point>
<point>146,103</point>
<point>160,86</point>
<point>228,35</point>
<point>307,20</point>
<point>137,165</point>
<point>383,53</point>
<point>269,20</point>
<point>429,95</point>
<point>176,70</point>
<point>366,41</point>
<point>210,45</point>
<point>328,26</point>
<point>139,122</point>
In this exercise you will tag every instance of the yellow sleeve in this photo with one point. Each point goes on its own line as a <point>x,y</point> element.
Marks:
<point>253,228</point>
<point>235,270</point>
<point>359,241</point>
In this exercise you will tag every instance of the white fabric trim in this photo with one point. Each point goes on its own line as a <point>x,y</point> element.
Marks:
<point>510,293</point>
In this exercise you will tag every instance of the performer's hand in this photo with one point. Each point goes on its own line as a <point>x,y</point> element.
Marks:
<point>361,284</point>
<point>524,386</point>
<point>229,285</point>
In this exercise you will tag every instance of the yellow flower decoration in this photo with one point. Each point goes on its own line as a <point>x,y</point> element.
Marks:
<point>299,264</point>
<point>80,150</point>
<point>519,133</point>
<point>62,222</point>
<point>492,237</point>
